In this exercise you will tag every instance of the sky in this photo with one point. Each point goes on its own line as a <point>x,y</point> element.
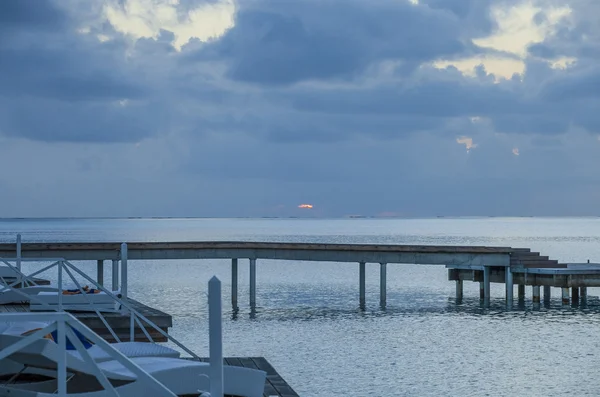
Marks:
<point>227,108</point>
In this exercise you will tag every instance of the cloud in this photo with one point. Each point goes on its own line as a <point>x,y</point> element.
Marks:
<point>203,20</point>
<point>280,42</point>
<point>42,15</point>
<point>468,142</point>
<point>355,107</point>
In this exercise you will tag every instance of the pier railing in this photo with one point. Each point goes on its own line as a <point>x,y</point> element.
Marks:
<point>122,305</point>
<point>65,325</point>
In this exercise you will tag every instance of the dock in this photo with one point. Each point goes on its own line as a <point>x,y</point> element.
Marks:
<point>275,385</point>
<point>119,322</point>
<point>483,260</point>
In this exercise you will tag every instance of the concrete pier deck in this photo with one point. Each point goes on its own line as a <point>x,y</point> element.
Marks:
<point>486,259</point>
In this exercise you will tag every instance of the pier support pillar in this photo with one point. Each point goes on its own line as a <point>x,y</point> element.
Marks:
<point>100,272</point>
<point>19,252</point>
<point>565,296</point>
<point>521,292</point>
<point>481,291</point>
<point>382,284</point>
<point>547,293</point>
<point>124,271</point>
<point>459,290</point>
<point>575,295</point>
<point>234,284</point>
<point>362,284</point>
<point>536,294</point>
<point>253,283</point>
<point>486,283</point>
<point>583,293</point>
<point>115,275</point>
<point>509,286</point>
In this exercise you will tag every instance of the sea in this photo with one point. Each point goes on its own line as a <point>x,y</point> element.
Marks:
<point>308,323</point>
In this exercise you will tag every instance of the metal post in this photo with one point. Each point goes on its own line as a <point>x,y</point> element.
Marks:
<point>521,292</point>
<point>361,284</point>
<point>234,284</point>
<point>547,293</point>
<point>124,271</point>
<point>215,337</point>
<point>131,327</point>
<point>481,290</point>
<point>19,252</point>
<point>486,283</point>
<point>382,284</point>
<point>536,294</point>
<point>459,290</point>
<point>115,275</point>
<point>60,285</point>
<point>565,296</point>
<point>100,271</point>
<point>509,286</point>
<point>252,283</point>
<point>62,355</point>
<point>575,295</point>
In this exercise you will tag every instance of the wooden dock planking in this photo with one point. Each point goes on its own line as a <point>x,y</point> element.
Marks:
<point>118,321</point>
<point>275,385</point>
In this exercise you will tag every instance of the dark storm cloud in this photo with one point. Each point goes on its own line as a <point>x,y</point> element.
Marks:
<point>64,86</point>
<point>93,121</point>
<point>287,42</point>
<point>30,14</point>
<point>63,74</point>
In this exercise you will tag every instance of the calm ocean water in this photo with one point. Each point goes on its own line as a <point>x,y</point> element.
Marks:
<point>309,326</point>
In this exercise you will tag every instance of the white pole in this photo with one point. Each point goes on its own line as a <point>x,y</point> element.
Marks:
<point>19,252</point>
<point>124,270</point>
<point>215,333</point>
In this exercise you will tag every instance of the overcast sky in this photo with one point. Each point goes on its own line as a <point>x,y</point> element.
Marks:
<point>253,107</point>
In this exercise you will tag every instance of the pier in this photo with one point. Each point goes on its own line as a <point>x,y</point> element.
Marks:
<point>481,264</point>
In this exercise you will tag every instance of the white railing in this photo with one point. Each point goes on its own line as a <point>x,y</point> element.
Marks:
<point>64,324</point>
<point>124,306</point>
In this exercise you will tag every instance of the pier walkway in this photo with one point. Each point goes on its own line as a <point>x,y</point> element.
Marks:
<point>476,263</point>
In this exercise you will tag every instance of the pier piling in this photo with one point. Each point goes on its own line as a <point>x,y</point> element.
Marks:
<point>124,270</point>
<point>459,290</point>
<point>234,284</point>
<point>509,287</point>
<point>583,293</point>
<point>19,252</point>
<point>382,284</point>
<point>575,295</point>
<point>253,283</point>
<point>100,271</point>
<point>362,284</point>
<point>536,294</point>
<point>115,275</point>
<point>547,293</point>
<point>481,291</point>
<point>486,283</point>
<point>521,292</point>
<point>565,296</point>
